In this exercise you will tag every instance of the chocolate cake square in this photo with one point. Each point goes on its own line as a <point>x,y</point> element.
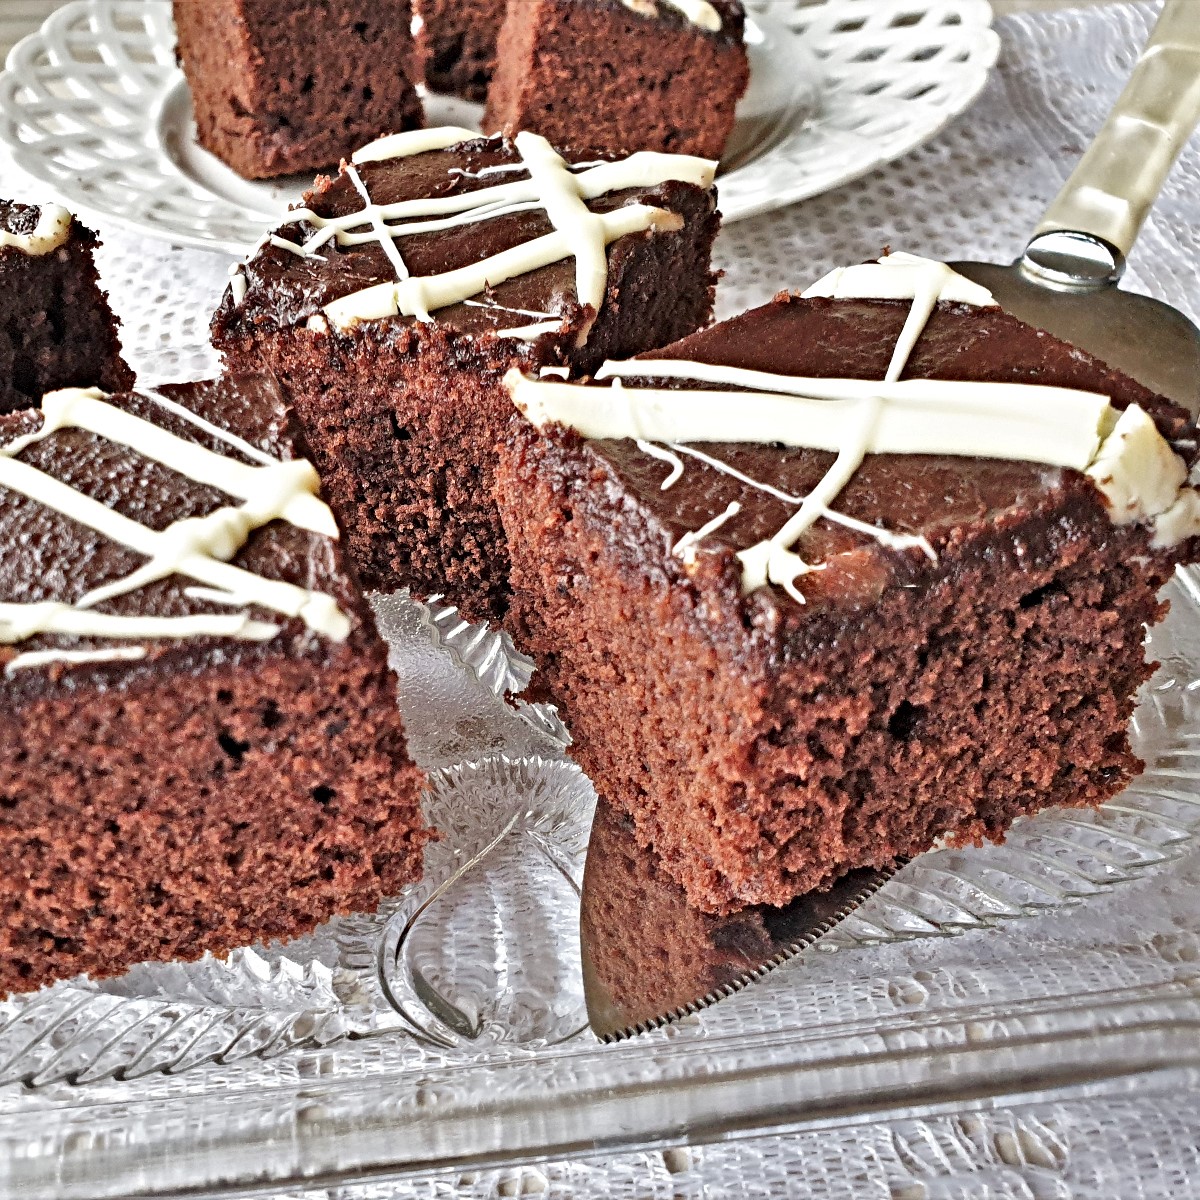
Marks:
<point>201,745</point>
<point>458,38</point>
<point>843,575</point>
<point>615,76</point>
<point>392,304</point>
<point>283,86</point>
<point>56,328</point>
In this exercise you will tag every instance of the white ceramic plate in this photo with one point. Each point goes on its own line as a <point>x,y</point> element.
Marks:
<point>94,105</point>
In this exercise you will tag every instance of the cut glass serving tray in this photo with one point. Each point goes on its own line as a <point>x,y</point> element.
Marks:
<point>450,1026</point>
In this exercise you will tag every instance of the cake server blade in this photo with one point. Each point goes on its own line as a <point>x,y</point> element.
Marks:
<point>650,958</point>
<point>1066,281</point>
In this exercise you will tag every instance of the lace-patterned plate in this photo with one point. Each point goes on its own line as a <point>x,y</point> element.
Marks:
<point>95,106</point>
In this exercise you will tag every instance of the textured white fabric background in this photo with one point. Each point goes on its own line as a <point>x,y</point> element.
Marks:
<point>976,191</point>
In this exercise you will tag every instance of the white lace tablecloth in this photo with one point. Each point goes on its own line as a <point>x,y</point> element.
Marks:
<point>976,191</point>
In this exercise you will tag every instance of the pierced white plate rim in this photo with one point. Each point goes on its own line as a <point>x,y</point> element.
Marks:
<point>101,125</point>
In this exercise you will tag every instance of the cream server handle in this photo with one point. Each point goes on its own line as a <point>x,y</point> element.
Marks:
<point>1111,191</point>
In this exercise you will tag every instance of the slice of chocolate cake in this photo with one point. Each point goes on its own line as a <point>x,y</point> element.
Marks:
<point>56,329</point>
<point>393,303</point>
<point>615,76</point>
<point>282,86</point>
<point>201,746</point>
<point>847,573</point>
<point>459,42</point>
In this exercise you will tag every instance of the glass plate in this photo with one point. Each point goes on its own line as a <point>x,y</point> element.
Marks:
<point>94,105</point>
<point>450,1026</point>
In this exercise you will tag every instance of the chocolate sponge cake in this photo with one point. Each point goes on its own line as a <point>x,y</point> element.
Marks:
<point>392,304</point>
<point>282,86</point>
<point>615,76</point>
<point>830,580</point>
<point>459,41</point>
<point>201,746</point>
<point>56,329</point>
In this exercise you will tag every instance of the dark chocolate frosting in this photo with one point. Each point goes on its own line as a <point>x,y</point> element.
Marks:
<point>283,289</point>
<point>49,557</point>
<point>923,495</point>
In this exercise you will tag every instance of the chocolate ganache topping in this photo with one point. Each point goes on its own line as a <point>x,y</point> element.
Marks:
<point>674,410</point>
<point>158,506</point>
<point>383,239</point>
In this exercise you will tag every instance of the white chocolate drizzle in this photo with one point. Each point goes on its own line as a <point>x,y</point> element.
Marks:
<point>199,548</point>
<point>214,431</point>
<point>415,141</point>
<point>900,276</point>
<point>528,333</point>
<point>51,231</point>
<point>1125,456</point>
<point>698,12</point>
<point>43,658</point>
<point>685,548</point>
<point>552,186</point>
<point>669,457</point>
<point>543,323</point>
<point>893,541</point>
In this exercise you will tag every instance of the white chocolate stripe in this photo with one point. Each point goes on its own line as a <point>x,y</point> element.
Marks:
<point>21,621</point>
<point>671,459</point>
<point>51,231</point>
<point>382,233</point>
<point>1028,423</point>
<point>726,469</point>
<point>685,548</point>
<point>504,308</point>
<point>529,332</point>
<point>894,541</point>
<point>561,197</point>
<point>415,141</point>
<point>900,277</point>
<point>186,548</point>
<point>213,431</point>
<point>771,561</point>
<point>345,238</point>
<point>284,244</point>
<point>42,658</point>
<point>543,322</point>
<point>646,168</point>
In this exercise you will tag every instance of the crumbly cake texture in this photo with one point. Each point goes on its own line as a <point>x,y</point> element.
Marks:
<point>184,771</point>
<point>403,414</point>
<point>459,40</point>
<point>763,747</point>
<point>56,328</point>
<point>286,87</point>
<point>610,77</point>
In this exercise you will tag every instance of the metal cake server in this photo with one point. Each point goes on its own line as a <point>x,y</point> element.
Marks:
<point>1065,282</point>
<point>649,957</point>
